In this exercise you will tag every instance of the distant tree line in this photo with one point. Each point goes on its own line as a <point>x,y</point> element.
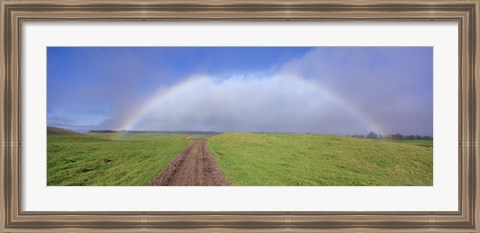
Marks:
<point>397,136</point>
<point>103,131</point>
<point>152,131</point>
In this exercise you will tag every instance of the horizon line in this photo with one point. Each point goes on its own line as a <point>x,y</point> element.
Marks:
<point>267,132</point>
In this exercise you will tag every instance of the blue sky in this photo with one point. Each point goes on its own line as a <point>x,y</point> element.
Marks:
<point>328,90</point>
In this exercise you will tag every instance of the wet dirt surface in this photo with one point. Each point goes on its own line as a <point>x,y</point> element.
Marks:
<point>195,166</point>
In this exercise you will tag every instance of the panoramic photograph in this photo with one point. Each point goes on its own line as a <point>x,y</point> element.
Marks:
<point>239,116</point>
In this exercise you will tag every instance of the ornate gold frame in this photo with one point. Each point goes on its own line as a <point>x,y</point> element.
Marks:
<point>14,12</point>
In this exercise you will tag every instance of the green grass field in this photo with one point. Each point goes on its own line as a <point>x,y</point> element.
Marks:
<point>134,159</point>
<point>75,159</point>
<point>320,160</point>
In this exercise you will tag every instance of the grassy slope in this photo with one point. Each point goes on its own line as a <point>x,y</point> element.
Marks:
<point>51,130</point>
<point>319,160</point>
<point>91,160</point>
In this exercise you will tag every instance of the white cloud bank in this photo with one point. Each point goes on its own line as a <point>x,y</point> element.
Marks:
<point>250,104</point>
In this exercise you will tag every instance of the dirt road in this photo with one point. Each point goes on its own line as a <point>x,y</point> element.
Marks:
<point>195,166</point>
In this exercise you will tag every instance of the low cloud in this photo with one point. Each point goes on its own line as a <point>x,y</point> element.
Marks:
<point>251,104</point>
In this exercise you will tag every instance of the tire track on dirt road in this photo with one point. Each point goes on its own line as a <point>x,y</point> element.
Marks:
<point>195,166</point>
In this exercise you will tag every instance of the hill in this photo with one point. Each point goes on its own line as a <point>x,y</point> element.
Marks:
<point>56,131</point>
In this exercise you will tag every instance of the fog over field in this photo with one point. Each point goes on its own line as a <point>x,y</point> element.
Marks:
<point>325,90</point>
<point>270,104</point>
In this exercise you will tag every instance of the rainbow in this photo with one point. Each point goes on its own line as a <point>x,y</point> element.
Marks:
<point>156,98</point>
<point>364,117</point>
<point>160,95</point>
